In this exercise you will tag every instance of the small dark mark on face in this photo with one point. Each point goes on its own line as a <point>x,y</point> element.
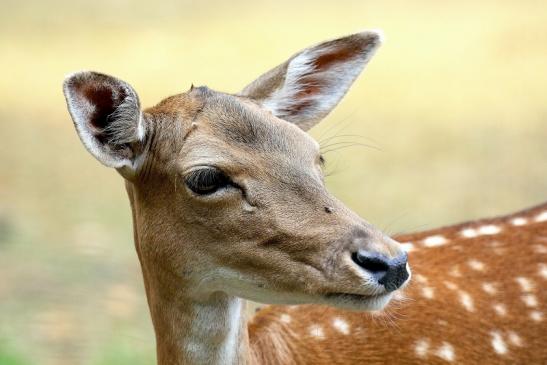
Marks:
<point>329,210</point>
<point>322,160</point>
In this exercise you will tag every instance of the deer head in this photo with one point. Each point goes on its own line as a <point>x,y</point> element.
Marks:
<point>227,190</point>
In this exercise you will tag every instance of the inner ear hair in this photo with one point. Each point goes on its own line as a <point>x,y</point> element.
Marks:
<point>106,113</point>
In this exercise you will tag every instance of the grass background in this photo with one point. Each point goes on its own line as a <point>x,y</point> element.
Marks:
<point>455,101</point>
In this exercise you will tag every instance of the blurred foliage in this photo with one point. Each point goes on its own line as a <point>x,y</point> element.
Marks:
<point>454,105</point>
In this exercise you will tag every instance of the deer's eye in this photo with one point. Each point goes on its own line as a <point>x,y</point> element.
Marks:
<point>207,181</point>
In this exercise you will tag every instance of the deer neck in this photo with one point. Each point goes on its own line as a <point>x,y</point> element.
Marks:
<point>209,329</point>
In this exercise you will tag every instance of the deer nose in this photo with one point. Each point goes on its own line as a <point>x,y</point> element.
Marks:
<point>391,273</point>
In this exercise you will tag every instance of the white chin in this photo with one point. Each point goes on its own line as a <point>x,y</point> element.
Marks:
<point>359,303</point>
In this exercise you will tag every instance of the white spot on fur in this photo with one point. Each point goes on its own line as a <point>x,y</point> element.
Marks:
<point>420,279</point>
<point>317,332</point>
<point>543,270</point>
<point>469,232</point>
<point>467,301</point>
<point>536,316</point>
<point>525,284</point>
<point>285,318</point>
<point>421,347</point>
<point>428,292</point>
<point>519,221</point>
<point>489,229</point>
<point>542,217</point>
<point>446,352</point>
<point>489,288</point>
<point>540,249</point>
<point>341,325</point>
<point>498,343</point>
<point>476,264</point>
<point>450,285</point>
<point>408,246</point>
<point>433,241</point>
<point>500,309</point>
<point>530,300</point>
<point>514,338</point>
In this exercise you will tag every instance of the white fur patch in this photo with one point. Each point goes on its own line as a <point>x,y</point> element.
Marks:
<point>446,352</point>
<point>519,221</point>
<point>407,246</point>
<point>469,233</point>
<point>341,325</point>
<point>433,241</point>
<point>542,270</point>
<point>450,285</point>
<point>489,229</point>
<point>467,301</point>
<point>498,343</point>
<point>500,309</point>
<point>317,332</point>
<point>141,129</point>
<point>514,339</point>
<point>541,249</point>
<point>489,288</point>
<point>428,292</point>
<point>476,265</point>
<point>530,300</point>
<point>536,316</point>
<point>229,347</point>
<point>542,217</point>
<point>285,318</point>
<point>421,347</point>
<point>420,278</point>
<point>525,284</point>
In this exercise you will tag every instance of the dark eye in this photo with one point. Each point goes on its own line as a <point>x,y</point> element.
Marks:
<point>206,181</point>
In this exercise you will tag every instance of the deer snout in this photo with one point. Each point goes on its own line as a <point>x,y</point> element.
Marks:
<point>392,273</point>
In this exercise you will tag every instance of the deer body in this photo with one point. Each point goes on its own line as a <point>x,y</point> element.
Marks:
<point>229,203</point>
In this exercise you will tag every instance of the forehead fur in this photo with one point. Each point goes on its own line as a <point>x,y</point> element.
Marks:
<point>227,122</point>
<point>242,122</point>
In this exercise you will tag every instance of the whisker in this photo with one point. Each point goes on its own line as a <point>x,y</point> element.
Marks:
<point>346,145</point>
<point>351,142</point>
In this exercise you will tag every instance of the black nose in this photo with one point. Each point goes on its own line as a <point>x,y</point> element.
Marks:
<point>391,273</point>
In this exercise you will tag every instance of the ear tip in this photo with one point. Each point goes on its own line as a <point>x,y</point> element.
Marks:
<point>80,76</point>
<point>373,35</point>
<point>73,78</point>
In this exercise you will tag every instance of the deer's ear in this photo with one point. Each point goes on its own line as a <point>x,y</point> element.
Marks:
<point>107,116</point>
<point>304,89</point>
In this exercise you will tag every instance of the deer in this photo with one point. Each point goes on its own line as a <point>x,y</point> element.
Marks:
<point>229,204</point>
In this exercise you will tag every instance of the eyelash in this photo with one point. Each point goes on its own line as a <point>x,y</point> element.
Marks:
<point>207,181</point>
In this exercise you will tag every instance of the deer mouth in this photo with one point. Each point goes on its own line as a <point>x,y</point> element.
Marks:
<point>359,301</point>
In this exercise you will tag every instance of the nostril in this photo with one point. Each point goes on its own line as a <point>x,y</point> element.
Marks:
<point>391,273</point>
<point>373,263</point>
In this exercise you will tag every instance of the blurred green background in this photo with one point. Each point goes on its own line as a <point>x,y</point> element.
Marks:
<point>455,102</point>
